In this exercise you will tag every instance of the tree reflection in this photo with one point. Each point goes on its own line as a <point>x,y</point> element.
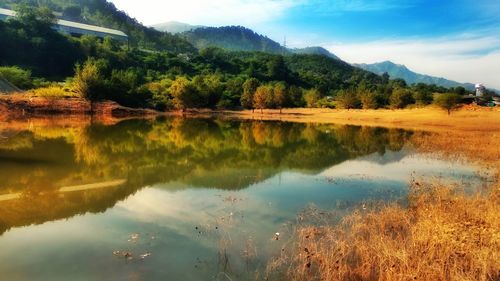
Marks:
<point>194,152</point>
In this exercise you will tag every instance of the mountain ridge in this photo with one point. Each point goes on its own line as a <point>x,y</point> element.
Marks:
<point>403,72</point>
<point>235,38</point>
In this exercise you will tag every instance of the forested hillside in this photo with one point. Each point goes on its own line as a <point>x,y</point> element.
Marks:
<point>236,38</point>
<point>103,13</point>
<point>36,56</point>
<point>239,38</point>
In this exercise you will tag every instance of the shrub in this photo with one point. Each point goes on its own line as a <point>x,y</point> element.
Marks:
<point>19,77</point>
<point>400,98</point>
<point>312,97</point>
<point>422,98</point>
<point>448,101</point>
<point>53,92</point>
<point>88,82</point>
<point>369,100</point>
<point>347,100</point>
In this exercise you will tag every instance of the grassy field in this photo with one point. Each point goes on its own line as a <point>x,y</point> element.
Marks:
<point>468,118</point>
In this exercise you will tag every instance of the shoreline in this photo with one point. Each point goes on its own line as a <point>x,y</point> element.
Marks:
<point>430,118</point>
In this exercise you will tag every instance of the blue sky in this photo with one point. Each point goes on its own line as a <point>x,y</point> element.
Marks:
<point>455,39</point>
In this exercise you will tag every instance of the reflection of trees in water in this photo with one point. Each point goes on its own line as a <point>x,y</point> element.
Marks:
<point>168,150</point>
<point>197,152</point>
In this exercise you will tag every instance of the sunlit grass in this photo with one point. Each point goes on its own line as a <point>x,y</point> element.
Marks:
<point>53,92</point>
<point>442,235</point>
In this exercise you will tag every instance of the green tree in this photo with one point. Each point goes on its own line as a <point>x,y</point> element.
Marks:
<point>422,97</point>
<point>400,98</point>
<point>368,100</point>
<point>183,93</point>
<point>448,101</point>
<point>281,97</point>
<point>88,81</point>
<point>312,97</point>
<point>347,99</point>
<point>263,98</point>
<point>249,88</point>
<point>296,96</point>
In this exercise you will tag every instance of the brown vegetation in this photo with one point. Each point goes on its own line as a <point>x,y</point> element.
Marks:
<point>442,235</point>
<point>430,118</point>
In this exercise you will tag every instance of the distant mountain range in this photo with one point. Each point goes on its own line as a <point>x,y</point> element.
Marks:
<point>401,71</point>
<point>236,38</point>
<point>239,38</point>
<point>175,27</point>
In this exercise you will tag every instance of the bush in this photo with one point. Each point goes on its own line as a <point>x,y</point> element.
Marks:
<point>400,98</point>
<point>88,82</point>
<point>53,92</point>
<point>448,101</point>
<point>19,77</point>
<point>369,100</point>
<point>347,100</point>
<point>312,97</point>
<point>422,98</point>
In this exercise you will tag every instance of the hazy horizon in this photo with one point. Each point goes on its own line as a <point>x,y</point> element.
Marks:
<point>457,40</point>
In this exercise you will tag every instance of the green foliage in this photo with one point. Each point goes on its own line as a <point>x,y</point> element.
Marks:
<point>281,97</point>
<point>400,98</point>
<point>448,101</point>
<point>263,97</point>
<point>183,94</point>
<point>235,38</point>
<point>164,71</point>
<point>312,97</point>
<point>422,98</point>
<point>296,95</point>
<point>368,100</point>
<point>19,77</point>
<point>422,93</point>
<point>249,88</point>
<point>347,99</point>
<point>88,82</point>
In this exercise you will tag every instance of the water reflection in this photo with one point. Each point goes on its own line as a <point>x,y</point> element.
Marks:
<point>205,196</point>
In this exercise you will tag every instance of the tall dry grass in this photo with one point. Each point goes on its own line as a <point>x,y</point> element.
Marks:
<point>442,235</point>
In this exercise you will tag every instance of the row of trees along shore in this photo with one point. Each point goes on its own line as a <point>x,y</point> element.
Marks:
<point>35,55</point>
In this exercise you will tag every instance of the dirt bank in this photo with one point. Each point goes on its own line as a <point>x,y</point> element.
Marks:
<point>19,105</point>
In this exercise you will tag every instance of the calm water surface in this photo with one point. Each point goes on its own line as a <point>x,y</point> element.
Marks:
<point>185,199</point>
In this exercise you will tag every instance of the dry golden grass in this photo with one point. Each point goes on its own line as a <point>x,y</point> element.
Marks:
<point>442,235</point>
<point>430,118</point>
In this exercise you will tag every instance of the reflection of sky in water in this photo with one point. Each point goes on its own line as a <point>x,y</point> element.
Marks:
<point>183,228</point>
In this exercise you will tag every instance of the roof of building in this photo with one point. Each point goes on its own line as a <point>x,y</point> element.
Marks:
<point>73,24</point>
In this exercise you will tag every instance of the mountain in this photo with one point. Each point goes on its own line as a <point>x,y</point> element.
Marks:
<point>105,14</point>
<point>401,71</point>
<point>175,27</point>
<point>239,38</point>
<point>315,51</point>
<point>234,38</point>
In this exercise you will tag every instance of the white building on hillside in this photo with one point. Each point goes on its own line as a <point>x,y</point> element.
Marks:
<point>76,28</point>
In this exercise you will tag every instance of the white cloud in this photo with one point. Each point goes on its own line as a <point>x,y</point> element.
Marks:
<point>463,58</point>
<point>213,12</point>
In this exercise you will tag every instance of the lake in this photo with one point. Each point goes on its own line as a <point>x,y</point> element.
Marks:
<point>187,199</point>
